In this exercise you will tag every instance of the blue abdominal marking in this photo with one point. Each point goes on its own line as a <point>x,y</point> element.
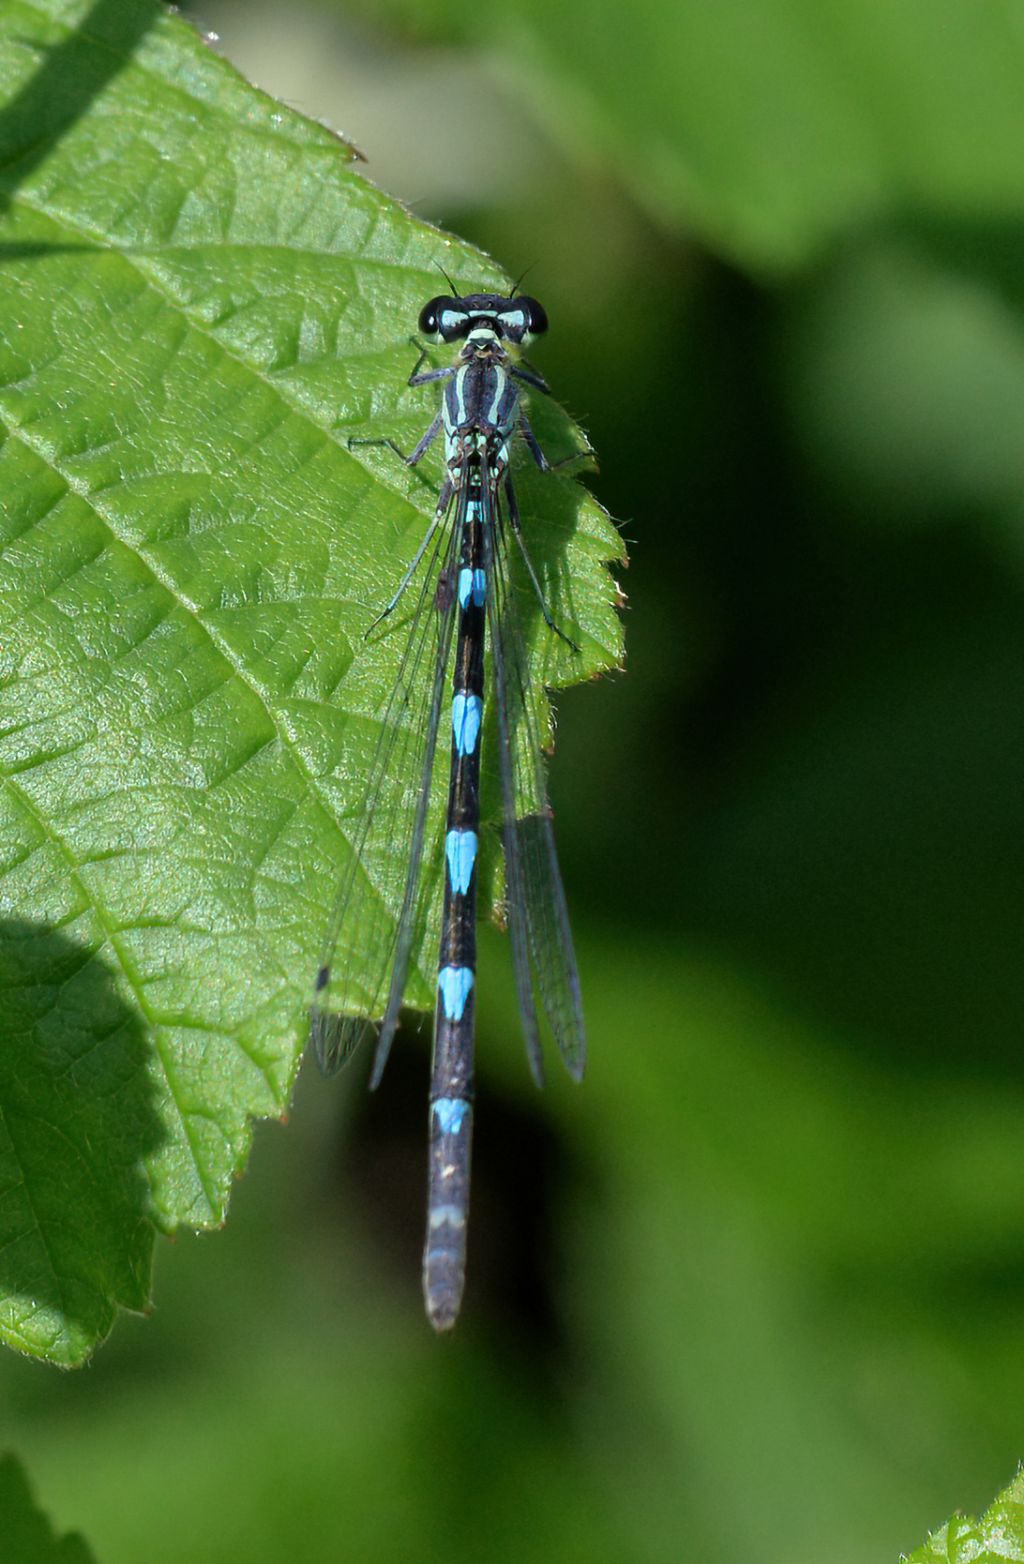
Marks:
<point>445,1216</point>
<point>455,984</point>
<point>460,850</point>
<point>472,584</point>
<point>450,1112</point>
<point>467,710</point>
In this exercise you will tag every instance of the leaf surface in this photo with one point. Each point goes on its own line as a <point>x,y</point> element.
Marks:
<point>998,1538</point>
<point>202,301</point>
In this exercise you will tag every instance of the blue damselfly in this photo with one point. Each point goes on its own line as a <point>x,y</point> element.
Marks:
<point>466,594</point>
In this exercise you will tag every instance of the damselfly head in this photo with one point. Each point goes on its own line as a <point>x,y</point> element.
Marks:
<point>446,319</point>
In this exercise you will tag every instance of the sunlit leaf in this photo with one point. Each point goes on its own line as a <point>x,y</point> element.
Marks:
<point>998,1538</point>
<point>202,301</point>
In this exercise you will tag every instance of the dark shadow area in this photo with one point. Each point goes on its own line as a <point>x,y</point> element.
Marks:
<point>859,830</point>
<point>825,697</point>
<point>70,76</point>
<point>34,250</point>
<point>77,1121</point>
<point>984,249</point>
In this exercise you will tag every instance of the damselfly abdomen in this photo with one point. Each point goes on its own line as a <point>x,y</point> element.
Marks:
<point>466,595</point>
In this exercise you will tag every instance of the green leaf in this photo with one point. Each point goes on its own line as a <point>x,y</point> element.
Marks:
<point>908,373</point>
<point>28,1537</point>
<point>202,301</point>
<point>767,127</point>
<point>996,1539</point>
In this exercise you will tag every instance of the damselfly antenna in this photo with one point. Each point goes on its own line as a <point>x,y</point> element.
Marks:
<point>515,286</point>
<point>447,279</point>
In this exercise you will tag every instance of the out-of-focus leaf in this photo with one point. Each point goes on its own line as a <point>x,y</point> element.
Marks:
<point>774,1258</point>
<point>907,378</point>
<point>769,126</point>
<point>28,1537</point>
<point>201,302</point>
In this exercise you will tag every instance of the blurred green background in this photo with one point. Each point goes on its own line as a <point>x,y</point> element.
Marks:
<point>756,1291</point>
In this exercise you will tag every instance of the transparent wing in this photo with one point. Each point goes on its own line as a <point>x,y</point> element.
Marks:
<point>362,974</point>
<point>538,918</point>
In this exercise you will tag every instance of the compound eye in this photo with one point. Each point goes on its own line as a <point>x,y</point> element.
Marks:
<point>535,315</point>
<point>430,316</point>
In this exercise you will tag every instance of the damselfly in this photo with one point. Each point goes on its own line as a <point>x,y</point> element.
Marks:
<point>466,594</point>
